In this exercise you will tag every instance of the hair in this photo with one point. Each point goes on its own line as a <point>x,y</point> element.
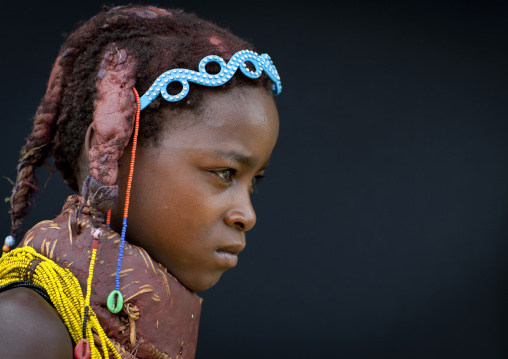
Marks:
<point>117,49</point>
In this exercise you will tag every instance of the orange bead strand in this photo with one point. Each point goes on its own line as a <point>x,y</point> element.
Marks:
<point>133,154</point>
<point>108,219</point>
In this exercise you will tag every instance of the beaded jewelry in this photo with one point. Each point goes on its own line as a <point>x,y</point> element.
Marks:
<point>115,298</point>
<point>8,243</point>
<point>184,76</point>
<point>201,77</point>
<point>59,282</point>
<point>65,293</point>
<point>108,219</point>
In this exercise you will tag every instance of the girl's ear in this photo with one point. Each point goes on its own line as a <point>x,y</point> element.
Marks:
<point>90,138</point>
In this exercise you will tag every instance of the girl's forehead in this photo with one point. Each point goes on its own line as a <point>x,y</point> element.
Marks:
<point>248,125</point>
<point>239,110</point>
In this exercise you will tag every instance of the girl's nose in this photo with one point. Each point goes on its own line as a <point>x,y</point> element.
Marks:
<point>242,215</point>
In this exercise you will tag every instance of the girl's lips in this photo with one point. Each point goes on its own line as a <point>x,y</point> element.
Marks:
<point>228,254</point>
<point>228,259</point>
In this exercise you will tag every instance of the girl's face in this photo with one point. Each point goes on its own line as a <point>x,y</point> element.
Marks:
<point>190,201</point>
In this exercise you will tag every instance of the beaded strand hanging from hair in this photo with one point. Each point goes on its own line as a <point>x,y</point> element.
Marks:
<point>115,298</point>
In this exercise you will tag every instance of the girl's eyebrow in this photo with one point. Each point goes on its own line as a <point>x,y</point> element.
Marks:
<point>236,156</point>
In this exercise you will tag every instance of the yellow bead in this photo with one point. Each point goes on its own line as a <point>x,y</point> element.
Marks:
<point>64,290</point>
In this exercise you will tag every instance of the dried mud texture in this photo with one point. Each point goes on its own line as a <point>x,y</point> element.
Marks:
<point>160,317</point>
<point>114,115</point>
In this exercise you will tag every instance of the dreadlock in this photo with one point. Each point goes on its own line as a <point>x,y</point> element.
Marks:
<point>122,46</point>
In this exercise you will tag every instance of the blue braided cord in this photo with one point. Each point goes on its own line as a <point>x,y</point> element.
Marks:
<point>201,77</point>
<point>120,255</point>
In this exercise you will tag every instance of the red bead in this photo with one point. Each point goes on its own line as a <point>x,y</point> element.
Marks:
<point>6,248</point>
<point>82,350</point>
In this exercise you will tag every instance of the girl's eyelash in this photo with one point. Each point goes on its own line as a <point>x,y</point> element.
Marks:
<point>255,181</point>
<point>259,178</point>
<point>228,174</point>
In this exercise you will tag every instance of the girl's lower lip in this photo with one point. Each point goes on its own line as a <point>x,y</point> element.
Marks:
<point>227,258</point>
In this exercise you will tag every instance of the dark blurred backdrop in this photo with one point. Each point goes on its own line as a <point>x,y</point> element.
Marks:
<point>382,225</point>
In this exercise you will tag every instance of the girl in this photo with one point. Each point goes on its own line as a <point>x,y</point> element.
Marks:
<point>179,160</point>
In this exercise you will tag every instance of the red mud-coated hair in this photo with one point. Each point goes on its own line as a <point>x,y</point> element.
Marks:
<point>91,82</point>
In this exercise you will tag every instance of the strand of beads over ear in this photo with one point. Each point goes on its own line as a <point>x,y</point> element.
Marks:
<point>115,298</point>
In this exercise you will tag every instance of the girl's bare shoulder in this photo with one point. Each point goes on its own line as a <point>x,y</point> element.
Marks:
<point>31,328</point>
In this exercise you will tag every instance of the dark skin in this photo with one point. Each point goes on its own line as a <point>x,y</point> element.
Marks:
<point>190,208</point>
<point>190,203</point>
<point>31,328</point>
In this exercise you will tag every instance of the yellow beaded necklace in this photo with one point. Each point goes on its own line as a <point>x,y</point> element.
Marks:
<point>64,291</point>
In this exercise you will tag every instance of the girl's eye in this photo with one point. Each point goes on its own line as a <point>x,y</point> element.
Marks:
<point>255,180</point>
<point>226,175</point>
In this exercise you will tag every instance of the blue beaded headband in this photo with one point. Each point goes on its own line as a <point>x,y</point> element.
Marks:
<point>201,77</point>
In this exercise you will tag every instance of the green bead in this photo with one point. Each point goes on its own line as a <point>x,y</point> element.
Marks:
<point>112,300</point>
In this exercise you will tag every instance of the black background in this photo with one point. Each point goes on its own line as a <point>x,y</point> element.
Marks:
<point>382,227</point>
